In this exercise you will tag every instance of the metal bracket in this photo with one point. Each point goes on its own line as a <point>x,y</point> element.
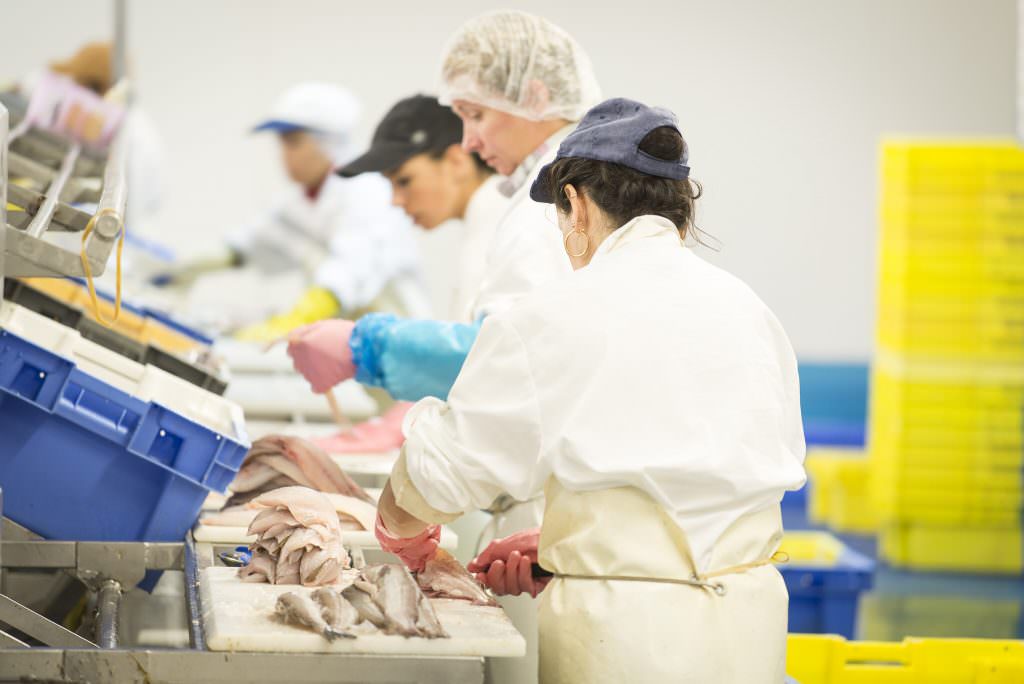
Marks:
<point>38,627</point>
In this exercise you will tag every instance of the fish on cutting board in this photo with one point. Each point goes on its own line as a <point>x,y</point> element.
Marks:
<point>353,514</point>
<point>298,539</point>
<point>299,608</point>
<point>335,609</point>
<point>276,461</point>
<point>446,577</point>
<point>388,597</point>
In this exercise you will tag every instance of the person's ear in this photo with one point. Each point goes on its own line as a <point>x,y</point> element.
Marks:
<point>577,208</point>
<point>458,161</point>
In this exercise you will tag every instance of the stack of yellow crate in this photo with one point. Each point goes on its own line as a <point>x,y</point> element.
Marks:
<point>947,394</point>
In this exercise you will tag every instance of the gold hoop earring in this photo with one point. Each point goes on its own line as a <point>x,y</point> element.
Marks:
<point>586,246</point>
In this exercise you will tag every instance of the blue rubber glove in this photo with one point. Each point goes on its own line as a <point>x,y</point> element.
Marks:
<point>410,358</point>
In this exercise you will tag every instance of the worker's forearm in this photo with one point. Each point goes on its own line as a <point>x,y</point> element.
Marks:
<point>398,521</point>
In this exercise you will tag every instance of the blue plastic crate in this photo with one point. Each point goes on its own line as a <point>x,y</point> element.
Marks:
<point>823,599</point>
<point>82,460</point>
<point>833,402</point>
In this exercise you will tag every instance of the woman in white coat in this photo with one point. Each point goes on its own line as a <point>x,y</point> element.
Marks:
<point>654,398</point>
<point>519,83</point>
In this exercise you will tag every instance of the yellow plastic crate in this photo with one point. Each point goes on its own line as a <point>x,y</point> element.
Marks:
<point>828,659</point>
<point>889,438</point>
<point>899,413</point>
<point>937,457</point>
<point>968,549</point>
<point>992,385</point>
<point>139,328</point>
<point>897,303</point>
<point>808,547</point>
<point>839,494</point>
<point>893,288</point>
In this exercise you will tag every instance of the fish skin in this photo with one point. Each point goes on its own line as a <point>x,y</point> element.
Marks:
<point>398,598</point>
<point>428,623</point>
<point>446,577</point>
<point>291,470</point>
<point>335,609</point>
<point>298,608</point>
<point>252,476</point>
<point>364,605</point>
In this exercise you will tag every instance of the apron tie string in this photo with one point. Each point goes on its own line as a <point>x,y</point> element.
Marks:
<point>702,581</point>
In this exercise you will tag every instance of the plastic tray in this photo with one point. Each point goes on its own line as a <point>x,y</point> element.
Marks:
<point>841,493</point>
<point>81,459</point>
<point>828,659</point>
<point>74,317</point>
<point>133,322</point>
<point>147,383</point>
<point>825,580</point>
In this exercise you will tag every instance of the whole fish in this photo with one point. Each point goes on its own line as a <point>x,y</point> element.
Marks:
<point>364,605</point>
<point>398,598</point>
<point>299,609</point>
<point>335,609</point>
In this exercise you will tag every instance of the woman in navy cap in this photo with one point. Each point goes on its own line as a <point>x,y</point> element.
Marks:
<point>654,399</point>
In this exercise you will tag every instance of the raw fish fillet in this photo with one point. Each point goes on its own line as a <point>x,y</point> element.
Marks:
<point>307,506</point>
<point>445,577</point>
<point>298,608</point>
<point>335,609</point>
<point>388,597</point>
<point>275,461</point>
<point>298,539</point>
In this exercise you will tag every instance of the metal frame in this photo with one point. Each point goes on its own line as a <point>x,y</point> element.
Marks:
<point>66,172</point>
<point>27,250</point>
<point>106,567</point>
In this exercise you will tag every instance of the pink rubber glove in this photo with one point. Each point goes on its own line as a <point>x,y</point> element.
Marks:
<point>413,551</point>
<point>377,435</point>
<point>321,353</point>
<point>505,566</point>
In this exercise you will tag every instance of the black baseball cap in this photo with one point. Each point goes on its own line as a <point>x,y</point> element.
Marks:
<point>415,125</point>
<point>612,132</point>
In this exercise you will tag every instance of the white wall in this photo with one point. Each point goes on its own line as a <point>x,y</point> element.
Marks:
<point>783,104</point>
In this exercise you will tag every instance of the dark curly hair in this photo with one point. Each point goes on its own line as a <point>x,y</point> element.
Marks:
<point>622,193</point>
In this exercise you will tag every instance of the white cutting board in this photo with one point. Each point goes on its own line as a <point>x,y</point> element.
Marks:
<point>238,616</point>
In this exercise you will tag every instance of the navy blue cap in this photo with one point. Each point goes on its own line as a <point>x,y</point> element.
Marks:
<point>612,132</point>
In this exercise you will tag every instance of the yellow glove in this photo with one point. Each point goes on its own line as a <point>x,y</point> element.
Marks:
<point>315,305</point>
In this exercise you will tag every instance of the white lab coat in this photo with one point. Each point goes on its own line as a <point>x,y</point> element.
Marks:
<point>349,240</point>
<point>524,255</point>
<point>526,252</point>
<point>484,212</point>
<point>649,369</point>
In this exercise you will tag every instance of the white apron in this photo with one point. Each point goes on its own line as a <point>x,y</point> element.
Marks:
<point>606,630</point>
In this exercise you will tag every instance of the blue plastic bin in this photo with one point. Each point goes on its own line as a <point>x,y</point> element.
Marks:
<point>81,460</point>
<point>823,598</point>
<point>833,402</point>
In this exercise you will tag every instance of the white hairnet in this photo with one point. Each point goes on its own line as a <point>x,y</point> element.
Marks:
<point>521,64</point>
<point>327,111</point>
